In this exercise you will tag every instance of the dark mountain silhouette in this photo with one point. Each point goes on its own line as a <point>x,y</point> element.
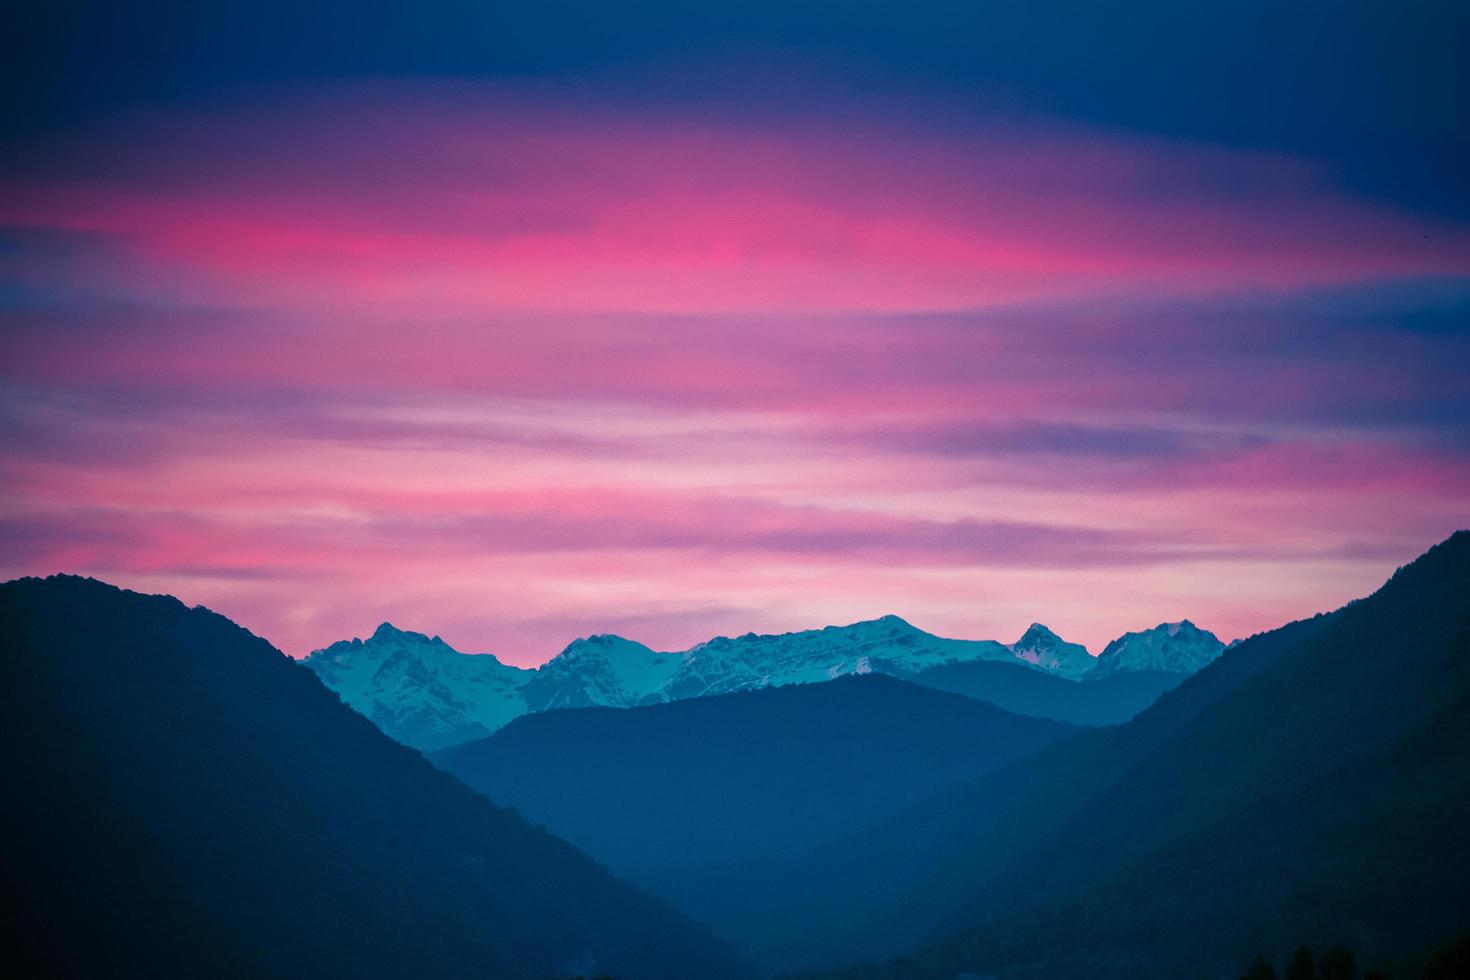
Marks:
<point>742,776</point>
<point>884,889</point>
<point>1323,800</point>
<point>183,800</point>
<point>1026,691</point>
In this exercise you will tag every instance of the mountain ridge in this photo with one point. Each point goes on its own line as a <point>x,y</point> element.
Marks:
<point>436,702</point>
<point>1322,799</point>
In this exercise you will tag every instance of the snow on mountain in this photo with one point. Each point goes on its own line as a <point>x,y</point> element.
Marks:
<point>424,693</point>
<point>601,671</point>
<point>1042,648</point>
<point>887,645</point>
<point>419,689</point>
<point>1174,648</point>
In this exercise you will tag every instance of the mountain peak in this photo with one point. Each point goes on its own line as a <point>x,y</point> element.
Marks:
<point>387,631</point>
<point>601,670</point>
<point>888,622</point>
<point>1174,648</point>
<point>1040,647</point>
<point>1037,633</point>
<point>600,644</point>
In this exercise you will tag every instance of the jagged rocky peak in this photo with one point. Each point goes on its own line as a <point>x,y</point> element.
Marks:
<point>384,639</point>
<point>603,670</point>
<point>387,632</point>
<point>1042,648</point>
<point>420,688</point>
<point>1175,648</point>
<point>1182,631</point>
<point>1038,634</point>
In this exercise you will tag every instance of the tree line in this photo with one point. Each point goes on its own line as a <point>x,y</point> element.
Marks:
<point>1448,962</point>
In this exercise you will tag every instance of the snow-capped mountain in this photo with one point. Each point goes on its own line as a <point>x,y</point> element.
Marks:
<point>419,689</point>
<point>1042,648</point>
<point>1171,648</point>
<point>601,671</point>
<point>426,694</point>
<point>888,645</point>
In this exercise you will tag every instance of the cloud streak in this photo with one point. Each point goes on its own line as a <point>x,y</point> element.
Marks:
<point>502,366</point>
<point>442,199</point>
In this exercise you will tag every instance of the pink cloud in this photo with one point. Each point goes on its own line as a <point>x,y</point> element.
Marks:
<point>473,204</point>
<point>505,370</point>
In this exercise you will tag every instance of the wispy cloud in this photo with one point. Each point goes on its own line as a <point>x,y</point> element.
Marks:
<point>504,363</point>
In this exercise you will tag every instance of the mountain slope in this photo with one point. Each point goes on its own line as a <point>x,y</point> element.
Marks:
<point>733,778</point>
<point>919,867</point>
<point>183,800</point>
<point>1323,800</point>
<point>1024,691</point>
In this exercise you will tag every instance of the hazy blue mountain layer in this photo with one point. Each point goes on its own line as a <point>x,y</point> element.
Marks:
<point>739,777</point>
<point>1323,800</point>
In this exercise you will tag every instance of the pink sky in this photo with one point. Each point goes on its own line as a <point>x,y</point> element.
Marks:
<point>511,371</point>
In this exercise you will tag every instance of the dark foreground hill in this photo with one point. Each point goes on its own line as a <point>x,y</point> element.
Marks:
<point>1324,800</point>
<point>737,777</point>
<point>183,800</point>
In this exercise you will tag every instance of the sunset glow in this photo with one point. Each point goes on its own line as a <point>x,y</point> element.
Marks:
<point>511,367</point>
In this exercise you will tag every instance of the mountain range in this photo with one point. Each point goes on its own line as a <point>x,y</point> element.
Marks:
<point>1309,786</point>
<point>1323,800</point>
<point>918,868</point>
<point>427,694</point>
<point>184,800</point>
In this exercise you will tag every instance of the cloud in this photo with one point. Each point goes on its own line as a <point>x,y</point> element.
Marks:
<point>454,200</point>
<point>511,364</point>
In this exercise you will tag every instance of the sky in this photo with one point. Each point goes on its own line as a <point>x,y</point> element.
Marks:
<point>517,325</point>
